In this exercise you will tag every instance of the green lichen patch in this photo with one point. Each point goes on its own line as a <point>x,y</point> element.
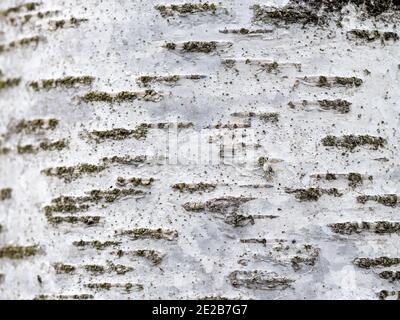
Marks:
<point>313,194</point>
<point>153,256</point>
<point>82,203</point>
<point>388,200</point>
<point>378,227</point>
<point>120,97</point>
<point>147,80</point>
<point>288,14</point>
<point>368,263</point>
<point>128,160</point>
<point>372,35</point>
<point>146,233</point>
<point>29,6</point>
<point>338,105</point>
<point>35,125</point>
<point>258,280</point>
<point>171,80</point>
<point>9,83</point>
<point>330,8</point>
<point>194,187</point>
<point>355,179</point>
<point>194,46</point>
<point>86,220</point>
<point>69,174</point>
<point>245,31</point>
<point>390,275</point>
<point>139,132</point>
<point>94,268</point>
<point>308,255</point>
<point>351,142</point>
<point>186,9</point>
<point>122,182</point>
<point>72,22</point>
<point>119,269</point>
<point>46,145</point>
<point>4,151</point>
<point>65,205</point>
<point>194,206</point>
<point>328,82</point>
<point>66,82</point>
<point>5,194</point>
<point>30,17</point>
<point>62,268</point>
<point>96,244</point>
<point>82,296</point>
<point>20,43</point>
<point>384,294</point>
<point>128,287</point>
<point>18,252</point>
<point>271,117</point>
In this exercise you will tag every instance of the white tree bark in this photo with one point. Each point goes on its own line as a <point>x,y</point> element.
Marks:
<point>199,151</point>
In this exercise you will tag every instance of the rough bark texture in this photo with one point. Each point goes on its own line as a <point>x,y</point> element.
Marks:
<point>237,149</point>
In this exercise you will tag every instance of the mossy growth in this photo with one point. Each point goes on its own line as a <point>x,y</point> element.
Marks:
<point>288,14</point>
<point>194,187</point>
<point>372,35</point>
<point>121,182</point>
<point>244,31</point>
<point>348,82</point>
<point>119,133</point>
<point>69,174</point>
<point>308,256</point>
<point>153,256</point>
<point>9,83</point>
<point>355,179</point>
<point>82,296</point>
<point>258,280</point>
<point>378,227</point>
<point>147,80</point>
<point>388,200</point>
<point>119,269</point>
<point>18,252</point>
<point>65,205</point>
<point>94,268</point>
<point>5,194</point>
<point>194,206</point>
<point>128,160</point>
<point>33,126</point>
<point>82,203</point>
<point>87,220</point>
<point>29,6</point>
<point>61,268</point>
<point>186,8</point>
<point>367,263</point>
<point>350,142</point>
<point>199,46</point>
<point>63,23</point>
<point>4,151</point>
<point>271,117</point>
<point>43,146</point>
<point>390,275</point>
<point>20,43</point>
<point>96,244</point>
<point>120,97</point>
<point>341,106</point>
<point>66,82</point>
<point>145,233</point>
<point>24,19</point>
<point>313,194</point>
<point>128,287</point>
<point>271,67</point>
